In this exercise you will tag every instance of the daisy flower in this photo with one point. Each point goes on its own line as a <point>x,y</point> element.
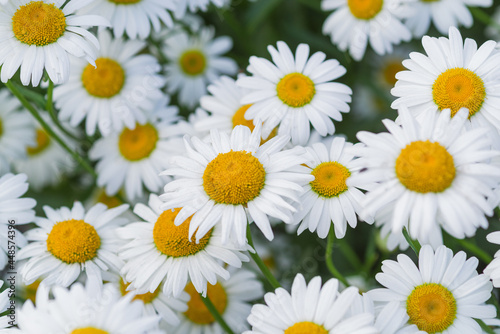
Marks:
<point>443,14</point>
<point>157,251</point>
<point>432,175</point>
<point>355,23</point>
<point>443,295</point>
<point>133,17</point>
<point>70,241</point>
<point>40,35</point>
<point>195,61</point>
<point>332,198</point>
<point>453,75</point>
<point>116,93</point>
<point>231,298</point>
<point>5,303</point>
<point>310,308</point>
<point>294,92</point>
<point>229,177</point>
<point>181,6</point>
<point>493,269</point>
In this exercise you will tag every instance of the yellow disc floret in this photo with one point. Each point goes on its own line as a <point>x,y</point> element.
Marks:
<point>193,62</point>
<point>458,88</point>
<point>88,330</point>
<point>42,142</point>
<point>390,70</point>
<point>431,307</point>
<point>239,117</point>
<point>105,80</point>
<point>365,9</point>
<point>197,311</point>
<point>146,298</point>
<point>306,327</point>
<point>138,143</point>
<point>109,201</point>
<point>296,90</point>
<point>235,177</point>
<point>329,179</point>
<point>73,241</point>
<point>38,23</point>
<point>174,240</point>
<point>423,166</point>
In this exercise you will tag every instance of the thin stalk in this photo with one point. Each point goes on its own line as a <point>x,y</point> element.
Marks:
<point>210,306</point>
<point>484,17</point>
<point>474,249</point>
<point>48,129</point>
<point>414,244</point>
<point>485,327</point>
<point>329,261</point>
<point>262,266</point>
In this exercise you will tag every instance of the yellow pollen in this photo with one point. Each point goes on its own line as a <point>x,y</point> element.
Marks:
<point>390,71</point>
<point>329,179</point>
<point>193,62</point>
<point>295,90</point>
<point>235,177</point>
<point>73,241</point>
<point>306,327</point>
<point>146,298</point>
<point>30,291</point>
<point>458,88</point>
<point>365,9</point>
<point>138,143</point>
<point>425,167</point>
<point>239,119</point>
<point>88,330</point>
<point>42,142</point>
<point>197,311</point>
<point>431,307</point>
<point>38,23</point>
<point>105,80</point>
<point>174,240</point>
<point>125,2</point>
<point>109,201</point>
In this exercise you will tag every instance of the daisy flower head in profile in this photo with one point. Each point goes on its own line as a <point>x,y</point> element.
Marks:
<point>310,308</point>
<point>159,252</point>
<point>116,93</point>
<point>232,177</point>
<point>40,35</point>
<point>444,294</point>
<point>431,176</point>
<point>195,61</point>
<point>294,92</point>
<point>331,198</point>
<point>71,241</point>
<point>355,23</point>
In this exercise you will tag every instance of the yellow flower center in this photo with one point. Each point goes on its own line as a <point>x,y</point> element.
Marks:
<point>193,62</point>
<point>125,2</point>
<point>235,177</point>
<point>306,327</point>
<point>365,9</point>
<point>105,80</point>
<point>109,201</point>
<point>239,117</point>
<point>458,88</point>
<point>174,240</point>
<point>146,298</point>
<point>88,330</point>
<point>329,179</point>
<point>431,307</point>
<point>425,167</point>
<point>42,142</point>
<point>390,70</point>
<point>296,90</point>
<point>30,291</point>
<point>73,241</point>
<point>197,311</point>
<point>138,143</point>
<point>38,23</point>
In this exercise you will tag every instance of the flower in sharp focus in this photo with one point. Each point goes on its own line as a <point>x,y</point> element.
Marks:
<point>295,92</point>
<point>40,35</point>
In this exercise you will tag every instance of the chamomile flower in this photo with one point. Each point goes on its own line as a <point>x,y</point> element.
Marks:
<point>229,177</point>
<point>133,17</point>
<point>70,241</point>
<point>332,198</point>
<point>159,252</point>
<point>453,75</point>
<point>493,269</point>
<point>295,92</point>
<point>355,23</point>
<point>310,308</point>
<point>181,6</point>
<point>443,14</point>
<point>443,295</point>
<point>40,35</point>
<point>194,62</point>
<point>115,94</point>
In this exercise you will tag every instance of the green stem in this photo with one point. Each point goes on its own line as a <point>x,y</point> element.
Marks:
<point>482,16</point>
<point>474,249</point>
<point>47,128</point>
<point>485,327</point>
<point>414,244</point>
<point>262,266</point>
<point>210,306</point>
<point>329,261</point>
<point>350,254</point>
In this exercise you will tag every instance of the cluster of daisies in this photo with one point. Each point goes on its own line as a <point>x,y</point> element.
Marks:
<point>180,156</point>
